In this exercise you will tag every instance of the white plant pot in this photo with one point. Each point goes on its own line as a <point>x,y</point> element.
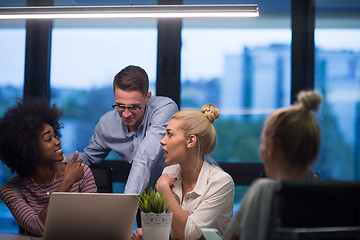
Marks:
<point>156,226</point>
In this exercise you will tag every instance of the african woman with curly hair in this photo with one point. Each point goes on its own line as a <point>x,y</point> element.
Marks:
<point>30,147</point>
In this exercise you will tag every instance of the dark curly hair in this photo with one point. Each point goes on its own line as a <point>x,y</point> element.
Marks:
<point>19,130</point>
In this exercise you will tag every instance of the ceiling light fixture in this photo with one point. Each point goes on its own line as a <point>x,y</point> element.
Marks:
<point>133,11</point>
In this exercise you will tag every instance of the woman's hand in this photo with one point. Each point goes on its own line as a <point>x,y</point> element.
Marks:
<point>164,183</point>
<point>74,170</point>
<point>137,234</point>
<point>73,173</point>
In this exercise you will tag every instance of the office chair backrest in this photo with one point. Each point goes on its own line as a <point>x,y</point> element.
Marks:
<point>103,178</point>
<point>315,209</point>
<point>243,174</point>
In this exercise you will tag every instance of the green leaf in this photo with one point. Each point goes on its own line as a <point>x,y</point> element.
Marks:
<point>152,201</point>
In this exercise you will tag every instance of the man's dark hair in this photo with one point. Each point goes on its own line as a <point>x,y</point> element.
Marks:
<point>19,130</point>
<point>132,78</point>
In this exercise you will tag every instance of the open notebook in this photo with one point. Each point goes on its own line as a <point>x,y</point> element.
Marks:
<point>90,216</point>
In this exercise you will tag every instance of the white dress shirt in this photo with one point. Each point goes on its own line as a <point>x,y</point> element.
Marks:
<point>209,204</point>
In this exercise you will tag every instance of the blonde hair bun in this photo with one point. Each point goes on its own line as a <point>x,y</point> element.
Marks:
<point>309,100</point>
<point>211,112</point>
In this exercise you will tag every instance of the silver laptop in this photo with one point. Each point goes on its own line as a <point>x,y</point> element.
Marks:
<point>90,216</point>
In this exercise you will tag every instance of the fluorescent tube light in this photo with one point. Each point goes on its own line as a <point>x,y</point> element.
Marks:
<point>134,11</point>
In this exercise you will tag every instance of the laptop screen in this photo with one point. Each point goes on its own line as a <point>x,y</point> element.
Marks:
<point>90,216</point>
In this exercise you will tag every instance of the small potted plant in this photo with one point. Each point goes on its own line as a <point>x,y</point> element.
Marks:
<point>155,219</point>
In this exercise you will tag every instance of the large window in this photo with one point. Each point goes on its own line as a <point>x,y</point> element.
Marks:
<point>243,68</point>
<point>83,65</point>
<point>246,73</point>
<point>337,78</point>
<point>12,49</point>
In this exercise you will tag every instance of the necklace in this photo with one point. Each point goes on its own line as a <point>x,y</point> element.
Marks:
<point>47,192</point>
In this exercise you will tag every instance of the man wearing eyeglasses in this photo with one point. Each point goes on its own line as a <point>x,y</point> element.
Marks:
<point>133,129</point>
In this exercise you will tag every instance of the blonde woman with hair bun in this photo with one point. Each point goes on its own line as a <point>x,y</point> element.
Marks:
<point>200,194</point>
<point>289,144</point>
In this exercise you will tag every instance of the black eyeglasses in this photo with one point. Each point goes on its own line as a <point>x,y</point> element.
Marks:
<point>131,108</point>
